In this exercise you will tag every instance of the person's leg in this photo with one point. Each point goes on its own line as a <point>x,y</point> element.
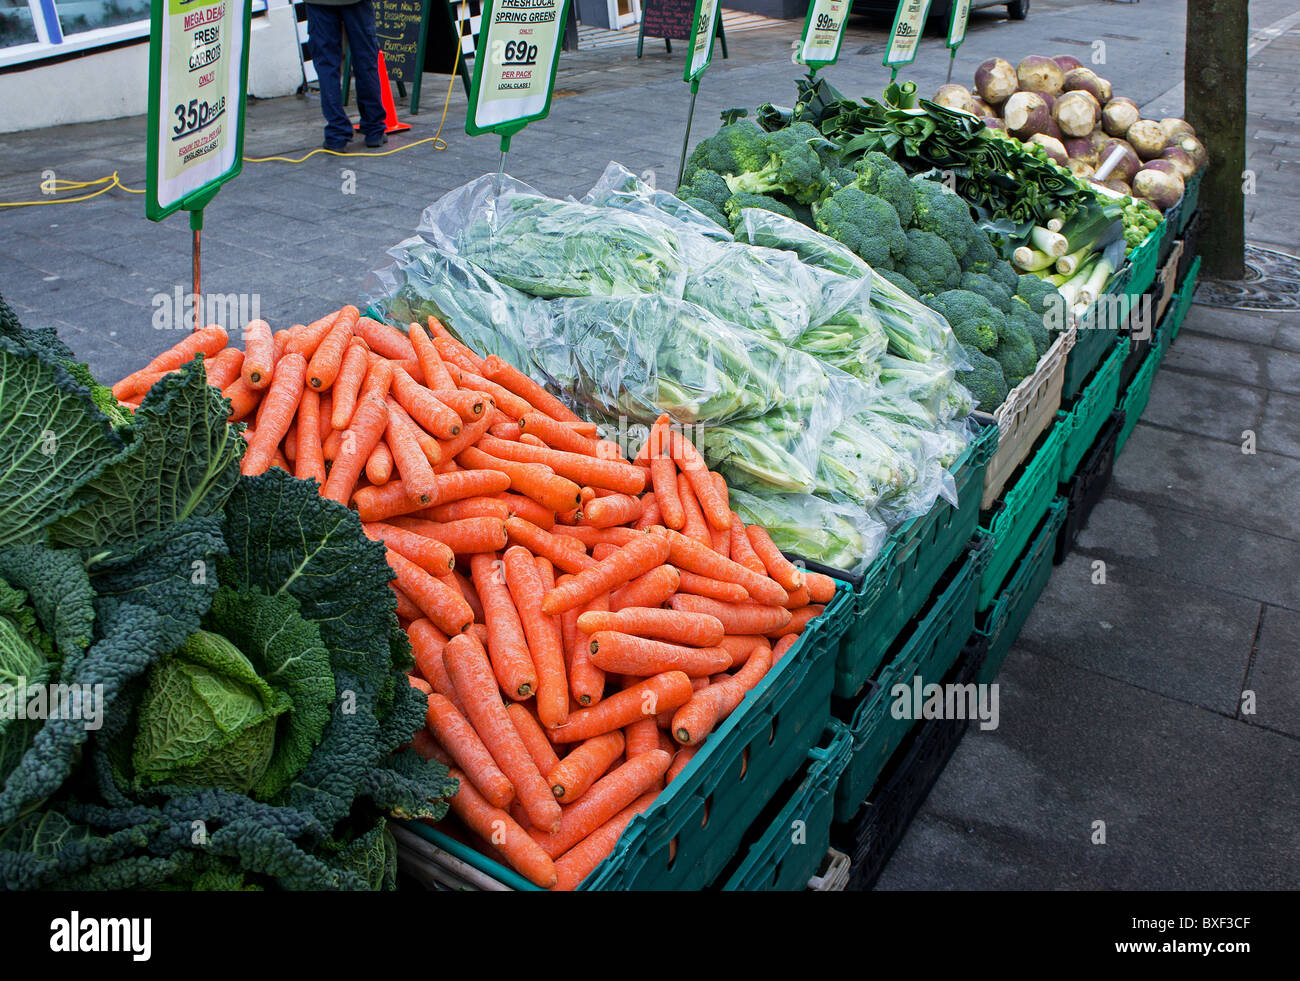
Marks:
<point>324,27</point>
<point>359,19</point>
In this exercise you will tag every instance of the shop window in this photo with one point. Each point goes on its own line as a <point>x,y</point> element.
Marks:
<point>76,16</point>
<point>16,26</point>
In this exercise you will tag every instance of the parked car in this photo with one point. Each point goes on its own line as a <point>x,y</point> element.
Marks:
<point>1016,9</point>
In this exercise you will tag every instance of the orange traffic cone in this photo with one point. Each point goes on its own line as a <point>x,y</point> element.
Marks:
<point>391,125</point>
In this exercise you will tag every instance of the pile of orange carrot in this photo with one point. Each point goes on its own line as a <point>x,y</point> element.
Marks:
<point>580,622</point>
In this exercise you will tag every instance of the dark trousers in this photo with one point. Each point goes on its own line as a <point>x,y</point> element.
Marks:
<point>325,25</point>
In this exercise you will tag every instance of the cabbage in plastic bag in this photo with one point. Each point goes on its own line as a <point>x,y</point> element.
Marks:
<point>618,187</point>
<point>834,533</point>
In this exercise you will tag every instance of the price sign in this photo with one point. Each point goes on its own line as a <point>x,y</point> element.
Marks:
<point>198,77</point>
<point>823,31</point>
<point>703,26</point>
<point>957,25</point>
<point>905,38</point>
<point>514,65</point>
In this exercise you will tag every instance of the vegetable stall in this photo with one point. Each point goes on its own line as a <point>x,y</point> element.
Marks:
<point>585,548</point>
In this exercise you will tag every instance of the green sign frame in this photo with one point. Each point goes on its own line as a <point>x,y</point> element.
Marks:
<point>814,8</point>
<point>693,76</point>
<point>960,17</point>
<point>195,199</point>
<point>917,6</point>
<point>508,128</point>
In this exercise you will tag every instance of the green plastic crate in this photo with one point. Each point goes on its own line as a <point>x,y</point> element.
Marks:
<point>1090,347</point>
<point>1083,422</point>
<point>789,851</point>
<point>1013,519</point>
<point>900,580</point>
<point>1183,301</point>
<point>1135,399</point>
<point>1001,624</point>
<point>929,650</point>
<point>1191,193</point>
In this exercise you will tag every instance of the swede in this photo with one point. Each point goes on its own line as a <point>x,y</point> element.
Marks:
<point>1128,164</point>
<point>1026,114</point>
<point>954,96</point>
<point>1195,149</point>
<point>1161,189</point>
<point>1055,149</point>
<point>1038,74</point>
<point>1118,115</point>
<point>1067,63</point>
<point>1147,138</point>
<point>1084,80</point>
<point>996,81</point>
<point>1177,158</point>
<point>1175,128</point>
<point>1076,113</point>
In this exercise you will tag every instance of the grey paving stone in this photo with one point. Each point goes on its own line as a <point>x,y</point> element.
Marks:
<point>1135,628</point>
<point>1275,675</point>
<point>1190,799</point>
<point>1283,369</point>
<point>1210,552</point>
<point>1219,356</point>
<point>1280,430</point>
<point>1208,406</point>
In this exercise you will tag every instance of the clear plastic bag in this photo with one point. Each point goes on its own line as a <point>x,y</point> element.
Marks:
<point>835,533</point>
<point>618,187</point>
<point>773,231</point>
<point>551,248</point>
<point>765,290</point>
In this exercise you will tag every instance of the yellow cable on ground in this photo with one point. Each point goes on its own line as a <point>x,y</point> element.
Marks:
<point>112,180</point>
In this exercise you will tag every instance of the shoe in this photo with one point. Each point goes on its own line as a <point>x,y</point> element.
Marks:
<point>336,147</point>
<point>377,141</point>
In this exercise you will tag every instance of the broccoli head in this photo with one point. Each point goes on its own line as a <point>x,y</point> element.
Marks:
<point>1032,323</point>
<point>1015,353</point>
<point>866,224</point>
<point>1035,292</point>
<point>937,209</point>
<point>708,185</point>
<point>709,210</point>
<point>735,148</point>
<point>989,288</point>
<point>984,381</point>
<point>972,318</point>
<point>1006,274</point>
<point>901,281</point>
<point>738,202</point>
<point>833,178</point>
<point>879,175</point>
<point>791,166</point>
<point>981,256</point>
<point>929,263</point>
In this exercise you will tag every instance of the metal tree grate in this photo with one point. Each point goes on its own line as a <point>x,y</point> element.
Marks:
<point>1272,282</point>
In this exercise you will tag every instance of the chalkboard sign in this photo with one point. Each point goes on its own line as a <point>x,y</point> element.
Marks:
<point>668,19</point>
<point>401,27</point>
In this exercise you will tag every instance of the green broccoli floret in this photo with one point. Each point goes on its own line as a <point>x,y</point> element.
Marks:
<point>738,202</point>
<point>833,178</point>
<point>879,175</point>
<point>790,167</point>
<point>733,149</point>
<point>1036,293</point>
<point>1005,273</point>
<point>1032,323</point>
<point>981,256</point>
<point>708,185</point>
<point>901,281</point>
<point>989,288</point>
<point>865,223</point>
<point>937,209</point>
<point>1015,352</point>
<point>984,381</point>
<point>709,210</point>
<point>972,318</point>
<point>929,262</point>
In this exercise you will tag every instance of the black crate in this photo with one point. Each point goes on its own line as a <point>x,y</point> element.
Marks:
<point>1089,483</point>
<point>1191,234</point>
<point>1138,350</point>
<point>875,831</point>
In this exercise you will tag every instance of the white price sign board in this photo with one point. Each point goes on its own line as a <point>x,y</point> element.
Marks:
<point>703,27</point>
<point>823,32</point>
<point>198,77</point>
<point>905,38</point>
<point>514,71</point>
<point>957,26</point>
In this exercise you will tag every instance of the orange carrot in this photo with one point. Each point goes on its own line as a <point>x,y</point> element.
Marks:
<point>438,331</point>
<point>432,556</point>
<point>429,447</point>
<point>740,646</point>
<point>650,514</point>
<point>616,509</point>
<point>390,500</point>
<point>258,352</point>
<point>778,566</point>
<point>442,604</point>
<point>681,758</point>
<point>821,589</point>
<point>462,484</point>
<point>435,372</point>
<point>510,378</point>
<point>455,356</point>
<point>654,695</point>
<point>379,465</point>
<point>537,482</point>
<point>697,585</point>
<point>426,410</point>
<point>470,673</point>
<point>387,342</point>
<point>528,509</point>
<point>584,470</point>
<point>555,434</point>
<point>469,507</point>
<point>427,642</point>
<point>465,537</point>
<point>281,402</point>
<point>741,550</point>
<point>695,629</point>
<point>378,380</point>
<point>463,745</point>
<point>607,796</point>
<point>327,359</point>
<point>363,434</point>
<point>309,461</point>
<point>224,367</point>
<point>800,597</point>
<point>495,825</point>
<point>541,542</point>
<point>278,460</point>
<point>571,777</point>
<point>347,385</point>
<point>511,662</point>
<point>642,737</point>
<point>279,347</point>
<point>625,654</point>
<point>304,338</point>
<point>651,589</point>
<point>538,746</point>
<point>630,561</point>
<point>692,465</point>
<point>206,341</point>
<point>543,633</point>
<point>470,406</point>
<point>783,646</point>
<point>698,717</point>
<point>799,619</point>
<point>586,681</point>
<point>406,608</point>
<point>663,475</point>
<point>737,618</point>
<point>690,556</point>
<point>411,463</point>
<point>581,860</point>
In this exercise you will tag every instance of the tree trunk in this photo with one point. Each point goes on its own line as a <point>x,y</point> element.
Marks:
<point>1214,71</point>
